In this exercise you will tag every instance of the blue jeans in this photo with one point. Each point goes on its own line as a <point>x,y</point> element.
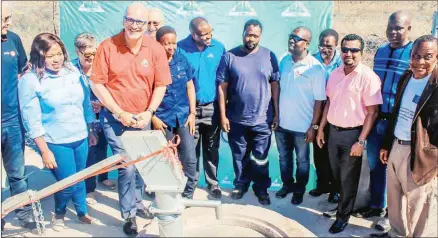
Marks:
<point>96,154</point>
<point>287,142</point>
<point>377,169</point>
<point>130,183</point>
<point>71,158</point>
<point>13,161</point>
<point>250,146</point>
<point>187,156</point>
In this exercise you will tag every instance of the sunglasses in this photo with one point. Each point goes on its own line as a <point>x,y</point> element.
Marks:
<point>296,38</point>
<point>352,50</point>
<point>88,55</point>
<point>155,23</point>
<point>131,21</point>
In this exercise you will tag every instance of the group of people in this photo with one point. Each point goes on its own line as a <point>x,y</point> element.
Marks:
<point>144,78</point>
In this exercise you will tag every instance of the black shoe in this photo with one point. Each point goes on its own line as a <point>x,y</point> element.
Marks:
<point>381,235</point>
<point>316,192</point>
<point>215,191</point>
<point>144,213</point>
<point>283,192</point>
<point>297,198</point>
<point>370,212</point>
<point>30,225</point>
<point>330,213</point>
<point>333,198</point>
<point>263,198</point>
<point>238,193</point>
<point>338,226</point>
<point>130,227</point>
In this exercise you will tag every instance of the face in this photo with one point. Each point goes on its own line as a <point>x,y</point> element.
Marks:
<point>327,46</point>
<point>86,57</point>
<point>6,20</point>
<point>203,35</point>
<point>298,42</point>
<point>351,53</point>
<point>251,37</point>
<point>424,58</point>
<point>54,58</point>
<point>168,41</point>
<point>397,32</point>
<point>155,22</point>
<point>135,24</point>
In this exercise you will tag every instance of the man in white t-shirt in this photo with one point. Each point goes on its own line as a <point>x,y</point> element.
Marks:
<point>302,92</point>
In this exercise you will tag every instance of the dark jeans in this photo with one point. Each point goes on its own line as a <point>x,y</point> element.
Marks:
<point>13,162</point>
<point>346,168</point>
<point>287,142</point>
<point>130,183</point>
<point>249,146</point>
<point>325,181</point>
<point>207,136</point>
<point>71,158</point>
<point>96,154</point>
<point>377,169</point>
<point>187,156</point>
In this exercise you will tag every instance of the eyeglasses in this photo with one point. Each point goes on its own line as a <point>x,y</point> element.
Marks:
<point>88,55</point>
<point>326,47</point>
<point>296,38</point>
<point>131,21</point>
<point>155,23</point>
<point>6,18</point>
<point>352,50</point>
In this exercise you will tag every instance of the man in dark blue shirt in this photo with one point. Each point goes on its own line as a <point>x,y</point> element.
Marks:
<point>204,54</point>
<point>248,76</point>
<point>13,61</point>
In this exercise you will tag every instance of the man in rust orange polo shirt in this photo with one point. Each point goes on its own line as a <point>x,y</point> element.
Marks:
<point>129,76</point>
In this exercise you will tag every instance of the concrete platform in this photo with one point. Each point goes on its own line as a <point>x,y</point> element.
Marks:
<point>245,216</point>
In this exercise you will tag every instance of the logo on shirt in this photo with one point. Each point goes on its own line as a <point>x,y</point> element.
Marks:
<point>145,63</point>
<point>211,55</point>
<point>416,99</point>
<point>11,53</point>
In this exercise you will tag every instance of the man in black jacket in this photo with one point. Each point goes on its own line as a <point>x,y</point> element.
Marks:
<point>411,142</point>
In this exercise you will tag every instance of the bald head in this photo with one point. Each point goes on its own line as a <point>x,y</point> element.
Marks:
<point>156,21</point>
<point>303,32</point>
<point>135,21</point>
<point>137,11</point>
<point>6,17</point>
<point>399,26</point>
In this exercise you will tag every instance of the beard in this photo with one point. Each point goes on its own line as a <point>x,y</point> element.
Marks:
<point>251,46</point>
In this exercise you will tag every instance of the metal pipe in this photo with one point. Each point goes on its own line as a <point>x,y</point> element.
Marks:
<point>214,204</point>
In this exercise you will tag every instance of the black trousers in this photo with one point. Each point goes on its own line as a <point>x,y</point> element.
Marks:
<point>325,181</point>
<point>345,168</point>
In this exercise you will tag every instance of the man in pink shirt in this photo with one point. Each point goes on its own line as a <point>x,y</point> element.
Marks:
<point>354,95</point>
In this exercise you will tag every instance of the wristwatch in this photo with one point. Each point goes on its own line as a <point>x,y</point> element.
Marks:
<point>151,111</point>
<point>361,142</point>
<point>315,127</point>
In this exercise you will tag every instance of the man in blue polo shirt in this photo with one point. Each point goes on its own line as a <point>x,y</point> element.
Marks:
<point>13,61</point>
<point>390,62</point>
<point>204,54</point>
<point>248,77</point>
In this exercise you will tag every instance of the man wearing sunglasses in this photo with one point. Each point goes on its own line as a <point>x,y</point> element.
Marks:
<point>155,21</point>
<point>12,143</point>
<point>390,62</point>
<point>204,54</point>
<point>129,77</point>
<point>354,94</point>
<point>302,92</point>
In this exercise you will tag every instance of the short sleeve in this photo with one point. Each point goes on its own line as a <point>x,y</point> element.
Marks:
<point>99,73</point>
<point>319,80</point>
<point>189,69</point>
<point>162,76</point>
<point>222,73</point>
<point>328,88</point>
<point>275,76</point>
<point>372,93</point>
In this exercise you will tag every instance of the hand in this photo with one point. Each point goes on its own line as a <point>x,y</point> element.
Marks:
<point>320,138</point>
<point>96,106</point>
<point>191,123</point>
<point>384,156</point>
<point>158,124</point>
<point>310,135</point>
<point>127,119</point>
<point>143,119</point>
<point>225,123</point>
<point>274,125</point>
<point>93,138</point>
<point>49,159</point>
<point>356,150</point>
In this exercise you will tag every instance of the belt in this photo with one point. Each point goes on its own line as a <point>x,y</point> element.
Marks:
<point>346,128</point>
<point>403,142</point>
<point>198,104</point>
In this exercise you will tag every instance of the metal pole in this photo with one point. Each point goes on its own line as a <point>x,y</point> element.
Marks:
<point>169,225</point>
